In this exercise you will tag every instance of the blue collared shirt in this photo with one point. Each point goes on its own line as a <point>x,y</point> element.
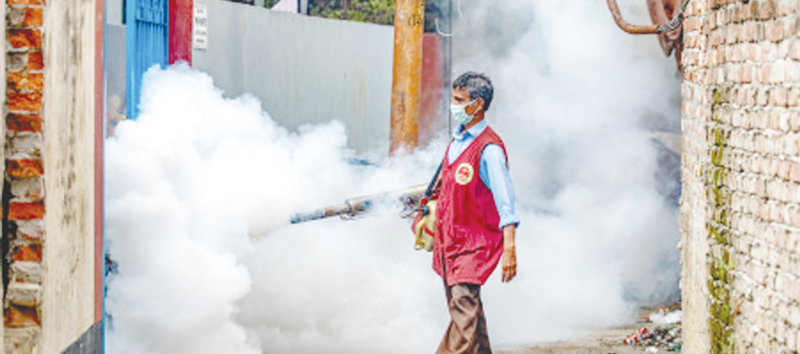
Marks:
<point>493,171</point>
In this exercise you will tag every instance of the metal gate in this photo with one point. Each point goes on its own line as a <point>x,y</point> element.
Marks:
<point>147,32</point>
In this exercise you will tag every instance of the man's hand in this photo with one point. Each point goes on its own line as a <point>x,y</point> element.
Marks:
<point>509,262</point>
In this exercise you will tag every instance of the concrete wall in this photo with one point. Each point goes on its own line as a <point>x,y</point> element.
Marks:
<point>69,307</point>
<point>740,213</point>
<point>304,69</point>
<point>114,12</point>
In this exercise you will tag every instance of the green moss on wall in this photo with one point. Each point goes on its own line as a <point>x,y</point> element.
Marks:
<point>721,265</point>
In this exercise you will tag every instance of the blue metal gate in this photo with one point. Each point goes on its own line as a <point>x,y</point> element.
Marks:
<point>147,31</point>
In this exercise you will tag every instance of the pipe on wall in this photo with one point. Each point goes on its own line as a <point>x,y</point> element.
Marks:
<point>627,27</point>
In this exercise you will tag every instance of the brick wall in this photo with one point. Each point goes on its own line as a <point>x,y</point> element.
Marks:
<point>24,185</point>
<point>740,213</point>
<point>52,259</point>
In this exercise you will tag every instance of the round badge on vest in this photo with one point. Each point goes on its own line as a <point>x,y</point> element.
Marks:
<point>464,173</point>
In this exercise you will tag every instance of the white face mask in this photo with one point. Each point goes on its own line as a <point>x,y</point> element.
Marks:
<point>459,113</point>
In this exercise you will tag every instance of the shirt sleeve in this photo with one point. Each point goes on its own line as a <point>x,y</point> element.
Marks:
<point>494,174</point>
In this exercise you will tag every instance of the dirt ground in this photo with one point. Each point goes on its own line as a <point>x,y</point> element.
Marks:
<point>605,341</point>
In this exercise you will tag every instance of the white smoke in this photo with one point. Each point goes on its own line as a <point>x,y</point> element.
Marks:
<point>194,187</point>
<point>200,188</point>
<point>575,98</point>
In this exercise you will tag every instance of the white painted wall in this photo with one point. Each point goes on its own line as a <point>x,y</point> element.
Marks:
<point>68,288</point>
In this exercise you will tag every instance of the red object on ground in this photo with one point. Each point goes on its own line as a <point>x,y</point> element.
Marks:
<point>180,30</point>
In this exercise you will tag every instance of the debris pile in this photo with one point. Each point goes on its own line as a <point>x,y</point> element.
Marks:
<point>666,336</point>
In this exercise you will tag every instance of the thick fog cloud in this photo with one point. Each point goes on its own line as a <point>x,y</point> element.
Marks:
<point>200,188</point>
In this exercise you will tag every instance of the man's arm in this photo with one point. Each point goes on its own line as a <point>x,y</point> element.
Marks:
<point>494,174</point>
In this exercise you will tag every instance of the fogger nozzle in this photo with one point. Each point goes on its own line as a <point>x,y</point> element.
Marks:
<point>356,206</point>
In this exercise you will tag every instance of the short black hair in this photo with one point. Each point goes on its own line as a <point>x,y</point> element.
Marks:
<point>477,85</point>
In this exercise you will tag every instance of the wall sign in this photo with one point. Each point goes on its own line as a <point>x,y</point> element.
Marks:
<point>200,27</point>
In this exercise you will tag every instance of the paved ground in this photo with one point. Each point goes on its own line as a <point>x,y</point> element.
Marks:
<point>606,341</point>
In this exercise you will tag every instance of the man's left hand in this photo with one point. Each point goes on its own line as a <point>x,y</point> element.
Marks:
<point>509,262</point>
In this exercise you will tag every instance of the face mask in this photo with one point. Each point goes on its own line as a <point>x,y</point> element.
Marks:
<point>459,113</point>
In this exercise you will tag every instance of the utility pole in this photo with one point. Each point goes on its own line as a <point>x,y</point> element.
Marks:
<point>409,19</point>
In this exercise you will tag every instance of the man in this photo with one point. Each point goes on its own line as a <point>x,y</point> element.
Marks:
<point>476,216</point>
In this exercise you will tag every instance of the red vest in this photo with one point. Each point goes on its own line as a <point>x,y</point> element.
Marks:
<point>468,243</point>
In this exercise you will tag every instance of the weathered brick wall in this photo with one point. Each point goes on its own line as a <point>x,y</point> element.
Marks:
<point>24,193</point>
<point>52,217</point>
<point>740,213</point>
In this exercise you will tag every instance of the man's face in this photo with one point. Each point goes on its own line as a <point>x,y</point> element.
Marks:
<point>461,97</point>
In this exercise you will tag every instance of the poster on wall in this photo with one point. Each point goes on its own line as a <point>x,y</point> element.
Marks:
<point>200,27</point>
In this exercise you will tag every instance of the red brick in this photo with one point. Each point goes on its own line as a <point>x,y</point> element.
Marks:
<point>692,24</point>
<point>733,53</point>
<point>21,316</point>
<point>750,52</point>
<point>764,9</point>
<point>747,11</point>
<point>30,102</point>
<point>777,97</point>
<point>794,171</point>
<point>793,97</point>
<point>25,168</point>
<point>746,73</point>
<point>25,38</point>
<point>24,122</point>
<point>794,122</point>
<point>21,81</point>
<point>774,30</point>
<point>731,34</point>
<point>35,61</point>
<point>34,17</point>
<point>25,211</point>
<point>784,8</point>
<point>736,14</point>
<point>29,252</point>
<point>783,172</point>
